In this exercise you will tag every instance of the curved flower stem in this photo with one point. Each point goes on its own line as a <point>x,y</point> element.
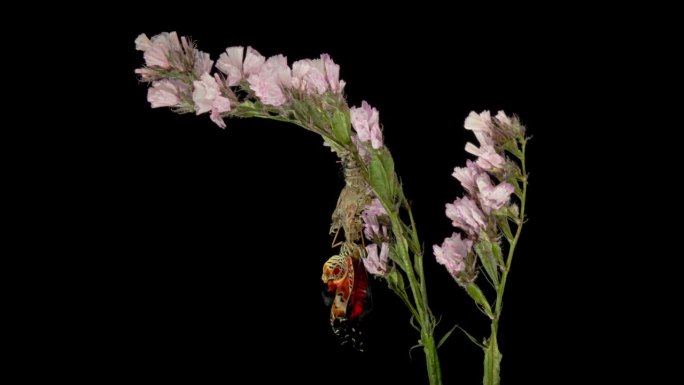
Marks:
<point>407,246</point>
<point>492,354</point>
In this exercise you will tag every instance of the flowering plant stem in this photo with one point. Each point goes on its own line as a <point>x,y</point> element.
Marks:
<point>408,245</point>
<point>492,354</point>
<point>421,312</point>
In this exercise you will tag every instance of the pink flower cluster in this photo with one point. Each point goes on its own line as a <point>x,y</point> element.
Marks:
<point>473,213</point>
<point>366,123</point>
<point>272,80</point>
<point>376,224</point>
<point>181,76</point>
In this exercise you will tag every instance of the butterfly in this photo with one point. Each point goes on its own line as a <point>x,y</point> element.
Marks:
<point>347,292</point>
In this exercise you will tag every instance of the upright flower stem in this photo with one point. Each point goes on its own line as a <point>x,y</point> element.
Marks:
<point>492,374</point>
<point>408,241</point>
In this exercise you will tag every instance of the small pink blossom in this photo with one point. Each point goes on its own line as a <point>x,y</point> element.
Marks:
<point>267,89</point>
<point>270,82</point>
<point>277,65</point>
<point>142,43</point>
<point>375,221</point>
<point>317,76</point>
<point>163,93</point>
<point>503,119</point>
<point>374,263</point>
<point>488,159</point>
<point>230,63</point>
<point>366,122</point>
<point>452,253</point>
<point>465,215</point>
<point>309,75</point>
<point>481,125</point>
<point>299,71</point>
<point>468,176</point>
<point>207,97</point>
<point>220,105</point>
<point>158,50</point>
<point>492,197</point>
<point>253,62</point>
<point>203,63</point>
<point>375,208</point>
<point>332,73</point>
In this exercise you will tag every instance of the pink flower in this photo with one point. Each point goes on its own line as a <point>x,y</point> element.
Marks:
<point>142,43</point>
<point>491,197</point>
<point>158,50</point>
<point>221,105</point>
<point>366,122</point>
<point>375,208</point>
<point>309,75</point>
<point>277,65</point>
<point>267,89</point>
<point>163,93</point>
<point>481,125</point>
<point>253,62</point>
<point>465,215</point>
<point>230,63</point>
<point>270,82</point>
<point>488,159</point>
<point>317,76</point>
<point>375,221</point>
<point>332,73</point>
<point>374,263</point>
<point>203,63</point>
<point>207,97</point>
<point>503,119</point>
<point>468,176</point>
<point>452,253</point>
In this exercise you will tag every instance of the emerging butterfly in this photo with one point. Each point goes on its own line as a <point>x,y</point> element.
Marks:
<point>347,292</point>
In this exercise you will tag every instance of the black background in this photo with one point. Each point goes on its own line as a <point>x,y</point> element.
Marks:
<point>215,239</point>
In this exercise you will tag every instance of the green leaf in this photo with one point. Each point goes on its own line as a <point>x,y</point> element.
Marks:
<point>476,294</point>
<point>413,324</point>
<point>483,249</point>
<point>382,175</point>
<point>470,337</point>
<point>417,262</point>
<point>505,227</point>
<point>341,127</point>
<point>335,147</point>
<point>496,250</point>
<point>492,364</point>
<point>446,336</point>
<point>395,255</point>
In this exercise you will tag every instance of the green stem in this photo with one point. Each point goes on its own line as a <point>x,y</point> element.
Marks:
<point>418,290</point>
<point>431,358</point>
<point>492,354</point>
